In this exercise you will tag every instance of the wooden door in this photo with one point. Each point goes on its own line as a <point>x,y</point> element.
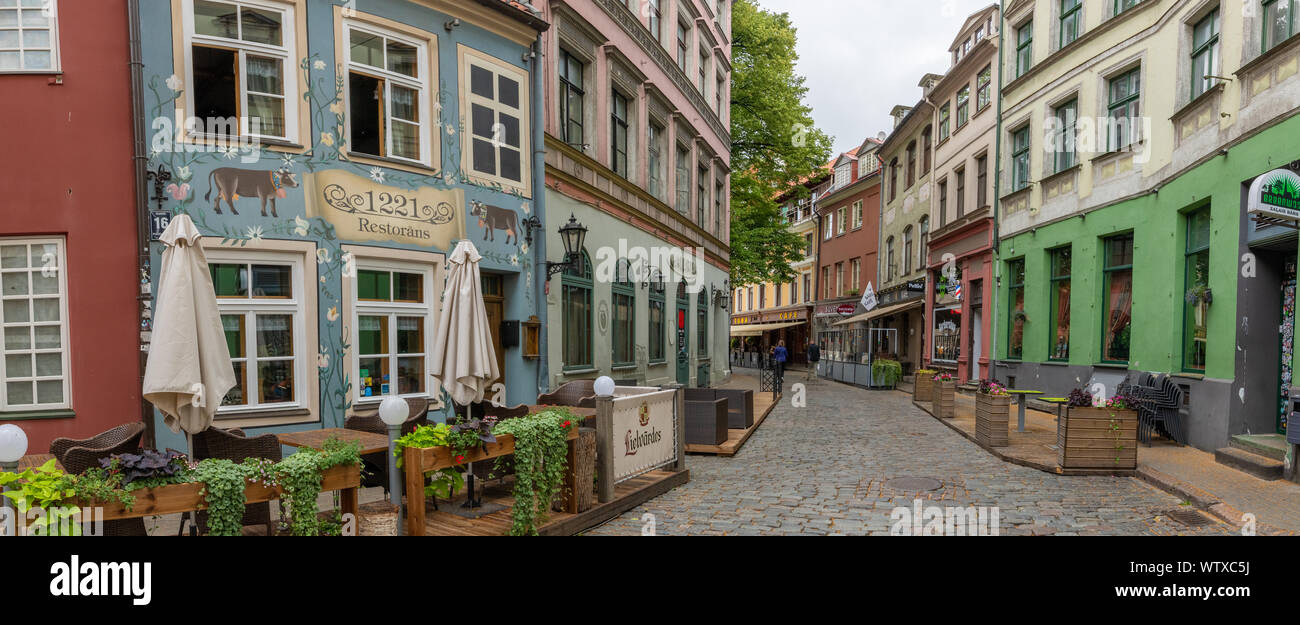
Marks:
<point>495,303</point>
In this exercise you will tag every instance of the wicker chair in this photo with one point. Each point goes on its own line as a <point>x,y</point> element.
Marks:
<point>579,393</point>
<point>233,445</point>
<point>375,466</point>
<point>77,455</point>
<point>706,422</point>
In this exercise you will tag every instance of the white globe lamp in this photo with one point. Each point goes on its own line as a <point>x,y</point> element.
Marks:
<point>13,444</point>
<point>393,411</point>
<point>604,386</point>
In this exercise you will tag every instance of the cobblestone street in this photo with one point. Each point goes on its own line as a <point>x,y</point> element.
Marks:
<point>822,470</point>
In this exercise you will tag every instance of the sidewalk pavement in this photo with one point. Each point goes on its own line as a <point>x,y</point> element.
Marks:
<point>1183,471</point>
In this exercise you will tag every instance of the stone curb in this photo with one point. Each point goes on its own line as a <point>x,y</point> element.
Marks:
<point>1204,501</point>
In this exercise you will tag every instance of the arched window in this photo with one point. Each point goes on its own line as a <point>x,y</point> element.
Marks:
<point>889,258</point>
<point>658,321</point>
<point>893,180</point>
<point>907,251</point>
<point>925,241</point>
<point>927,150</point>
<point>911,164</point>
<point>576,303</point>
<point>623,298</point>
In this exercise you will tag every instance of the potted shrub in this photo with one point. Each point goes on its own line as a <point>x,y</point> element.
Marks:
<point>945,392</point>
<point>1097,434</point>
<point>992,410</point>
<point>886,373</point>
<point>923,388</point>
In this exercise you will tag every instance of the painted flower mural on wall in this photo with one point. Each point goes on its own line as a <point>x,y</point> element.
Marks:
<point>175,83</point>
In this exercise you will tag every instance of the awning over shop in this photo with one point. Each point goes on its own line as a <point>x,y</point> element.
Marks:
<point>883,312</point>
<point>760,328</point>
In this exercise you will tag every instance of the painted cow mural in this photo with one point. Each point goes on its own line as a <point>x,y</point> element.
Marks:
<point>493,218</point>
<point>230,182</point>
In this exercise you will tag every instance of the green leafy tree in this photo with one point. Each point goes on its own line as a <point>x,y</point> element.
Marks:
<point>774,144</point>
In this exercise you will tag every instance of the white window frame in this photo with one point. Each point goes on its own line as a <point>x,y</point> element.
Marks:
<point>392,310</point>
<point>64,348</point>
<point>498,67</point>
<point>422,85</point>
<point>250,307</point>
<point>53,26</point>
<point>287,53</point>
<point>857,214</point>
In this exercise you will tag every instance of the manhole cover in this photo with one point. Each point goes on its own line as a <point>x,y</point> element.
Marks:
<point>1188,516</point>
<point>913,484</point>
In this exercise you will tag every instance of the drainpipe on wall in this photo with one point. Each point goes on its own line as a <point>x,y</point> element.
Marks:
<point>997,194</point>
<point>140,162</point>
<point>539,209</point>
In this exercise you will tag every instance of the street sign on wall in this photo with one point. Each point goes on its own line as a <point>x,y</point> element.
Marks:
<point>1276,194</point>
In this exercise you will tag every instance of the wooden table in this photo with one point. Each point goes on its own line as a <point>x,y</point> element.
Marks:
<point>315,439</point>
<point>34,461</point>
<point>1022,397</point>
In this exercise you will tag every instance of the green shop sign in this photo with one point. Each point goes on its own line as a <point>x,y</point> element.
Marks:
<point>1276,194</point>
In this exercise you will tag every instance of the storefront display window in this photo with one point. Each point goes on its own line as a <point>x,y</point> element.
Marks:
<point>1060,303</point>
<point>947,335</point>
<point>1118,290</point>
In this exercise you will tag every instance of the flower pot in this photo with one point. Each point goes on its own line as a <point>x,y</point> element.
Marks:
<point>923,389</point>
<point>945,399</point>
<point>992,415</point>
<point>1097,438</point>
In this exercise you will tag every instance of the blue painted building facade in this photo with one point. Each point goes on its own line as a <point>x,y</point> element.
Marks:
<point>333,152</point>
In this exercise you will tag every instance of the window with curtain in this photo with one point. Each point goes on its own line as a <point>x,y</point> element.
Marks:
<point>392,311</point>
<point>1196,311</point>
<point>1124,109</point>
<point>984,88</point>
<point>1067,117</point>
<point>387,87</point>
<point>1060,305</point>
<point>576,301</point>
<point>1205,53</point>
<point>963,106</point>
<point>1118,291</point>
<point>623,298</point>
<point>261,305</point>
<point>1071,21</point>
<point>1024,48</point>
<point>1020,158</point>
<point>1280,21</point>
<point>241,63</point>
<point>1016,302</point>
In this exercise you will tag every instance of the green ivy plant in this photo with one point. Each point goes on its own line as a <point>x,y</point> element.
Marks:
<point>442,483</point>
<point>223,490</point>
<point>541,456</point>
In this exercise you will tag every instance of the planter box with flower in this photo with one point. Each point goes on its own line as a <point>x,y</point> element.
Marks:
<point>992,410</point>
<point>543,446</point>
<point>1098,434</point>
<point>923,387</point>
<point>944,396</point>
<point>153,483</point>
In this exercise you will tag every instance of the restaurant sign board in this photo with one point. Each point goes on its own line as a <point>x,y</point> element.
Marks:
<point>1276,194</point>
<point>645,433</point>
<point>363,210</point>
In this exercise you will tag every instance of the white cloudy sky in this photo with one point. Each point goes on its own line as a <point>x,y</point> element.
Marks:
<point>863,57</point>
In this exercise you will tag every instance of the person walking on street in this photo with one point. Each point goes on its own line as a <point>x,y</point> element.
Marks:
<point>779,356</point>
<point>814,355</point>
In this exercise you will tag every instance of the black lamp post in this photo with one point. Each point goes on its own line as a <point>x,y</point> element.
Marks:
<point>573,235</point>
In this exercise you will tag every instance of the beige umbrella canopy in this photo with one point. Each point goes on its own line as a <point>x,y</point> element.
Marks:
<point>189,370</point>
<point>464,359</point>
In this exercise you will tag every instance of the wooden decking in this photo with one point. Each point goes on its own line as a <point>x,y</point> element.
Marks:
<point>627,495</point>
<point>763,405</point>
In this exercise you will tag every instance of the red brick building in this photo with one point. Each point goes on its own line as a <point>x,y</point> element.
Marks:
<point>849,242</point>
<point>68,235</point>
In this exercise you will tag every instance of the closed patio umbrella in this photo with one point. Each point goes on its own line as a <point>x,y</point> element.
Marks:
<point>464,359</point>
<point>189,370</point>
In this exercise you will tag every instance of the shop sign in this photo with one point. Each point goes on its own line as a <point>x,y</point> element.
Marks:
<point>646,425</point>
<point>846,310</point>
<point>1276,194</point>
<point>917,286</point>
<point>363,210</point>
